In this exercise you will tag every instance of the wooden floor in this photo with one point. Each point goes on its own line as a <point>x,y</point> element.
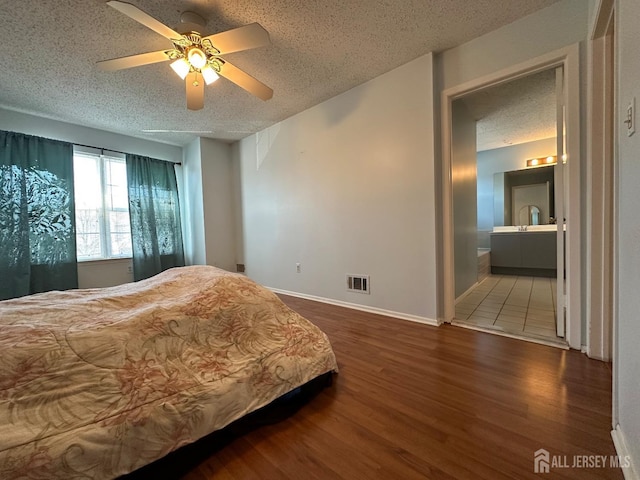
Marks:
<point>413,401</point>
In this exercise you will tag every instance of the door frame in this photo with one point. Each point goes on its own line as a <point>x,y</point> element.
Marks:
<point>569,58</point>
<point>601,176</point>
<point>602,128</point>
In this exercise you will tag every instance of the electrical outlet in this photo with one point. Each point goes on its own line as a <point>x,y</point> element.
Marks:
<point>298,269</point>
<point>130,269</point>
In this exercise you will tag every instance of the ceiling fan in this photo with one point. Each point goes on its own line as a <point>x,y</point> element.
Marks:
<point>196,58</point>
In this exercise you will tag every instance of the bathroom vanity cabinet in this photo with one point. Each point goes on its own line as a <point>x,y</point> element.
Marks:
<point>524,253</point>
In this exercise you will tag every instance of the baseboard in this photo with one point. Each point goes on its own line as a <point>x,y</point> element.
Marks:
<point>468,291</point>
<point>590,352</point>
<point>363,308</point>
<point>622,450</point>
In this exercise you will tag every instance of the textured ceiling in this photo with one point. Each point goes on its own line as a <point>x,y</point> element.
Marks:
<point>520,111</point>
<point>319,49</point>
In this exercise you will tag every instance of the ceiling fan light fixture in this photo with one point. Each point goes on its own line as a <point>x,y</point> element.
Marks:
<point>197,57</point>
<point>209,74</point>
<point>181,67</point>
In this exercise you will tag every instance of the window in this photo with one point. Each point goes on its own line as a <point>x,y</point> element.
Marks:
<point>102,205</point>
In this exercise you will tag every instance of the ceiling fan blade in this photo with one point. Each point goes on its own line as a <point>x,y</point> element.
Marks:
<point>195,91</point>
<point>145,19</point>
<point>241,38</point>
<point>246,81</point>
<point>133,61</point>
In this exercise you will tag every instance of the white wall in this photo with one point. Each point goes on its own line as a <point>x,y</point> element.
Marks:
<point>209,204</point>
<point>217,195</point>
<point>563,23</point>
<point>192,205</point>
<point>236,188</point>
<point>348,187</point>
<point>627,359</point>
<point>101,273</point>
<point>464,190</point>
<point>505,159</point>
<point>105,273</point>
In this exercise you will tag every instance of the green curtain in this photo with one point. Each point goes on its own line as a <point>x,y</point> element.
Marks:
<point>37,216</point>
<point>154,210</point>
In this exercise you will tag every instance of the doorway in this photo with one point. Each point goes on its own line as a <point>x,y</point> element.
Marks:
<point>506,136</point>
<point>567,198</point>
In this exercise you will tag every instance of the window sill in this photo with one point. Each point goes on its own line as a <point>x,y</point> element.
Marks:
<point>105,260</point>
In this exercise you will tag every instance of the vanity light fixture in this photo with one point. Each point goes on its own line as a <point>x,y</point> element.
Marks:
<point>539,162</point>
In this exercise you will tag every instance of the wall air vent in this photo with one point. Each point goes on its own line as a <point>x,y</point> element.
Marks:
<point>358,283</point>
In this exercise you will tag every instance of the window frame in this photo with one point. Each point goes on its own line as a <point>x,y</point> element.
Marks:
<point>104,157</point>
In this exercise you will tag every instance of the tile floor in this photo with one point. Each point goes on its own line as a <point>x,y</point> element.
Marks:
<point>520,305</point>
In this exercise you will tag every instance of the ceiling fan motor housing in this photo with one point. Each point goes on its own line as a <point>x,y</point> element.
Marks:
<point>191,22</point>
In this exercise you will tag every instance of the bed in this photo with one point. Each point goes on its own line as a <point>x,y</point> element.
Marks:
<point>97,383</point>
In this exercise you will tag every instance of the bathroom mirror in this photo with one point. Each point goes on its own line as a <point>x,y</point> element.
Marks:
<point>514,192</point>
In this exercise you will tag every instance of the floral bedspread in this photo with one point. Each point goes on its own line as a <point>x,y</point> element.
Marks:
<point>97,383</point>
